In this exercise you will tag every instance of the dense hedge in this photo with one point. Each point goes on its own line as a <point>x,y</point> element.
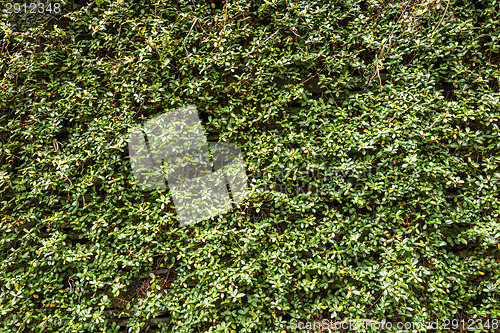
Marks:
<point>394,104</point>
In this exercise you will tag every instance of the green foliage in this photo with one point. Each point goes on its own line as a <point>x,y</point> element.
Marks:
<point>410,88</point>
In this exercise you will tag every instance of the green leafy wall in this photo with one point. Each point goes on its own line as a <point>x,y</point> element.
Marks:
<point>409,89</point>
